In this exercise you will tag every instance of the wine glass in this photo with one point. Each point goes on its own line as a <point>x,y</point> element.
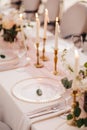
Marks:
<point>19,47</point>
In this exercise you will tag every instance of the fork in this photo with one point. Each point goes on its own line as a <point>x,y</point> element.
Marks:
<point>45,110</point>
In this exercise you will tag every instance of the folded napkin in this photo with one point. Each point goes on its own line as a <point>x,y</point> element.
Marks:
<point>48,112</point>
<point>49,116</point>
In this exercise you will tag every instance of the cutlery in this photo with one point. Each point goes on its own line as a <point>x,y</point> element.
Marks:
<point>46,110</point>
<point>44,113</point>
<point>60,113</point>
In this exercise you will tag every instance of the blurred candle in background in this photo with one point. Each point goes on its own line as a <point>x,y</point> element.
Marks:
<point>56,34</point>
<point>22,29</point>
<point>46,20</point>
<point>76,70</point>
<point>37,28</point>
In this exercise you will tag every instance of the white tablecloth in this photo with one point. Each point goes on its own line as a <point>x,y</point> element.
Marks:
<point>14,110</point>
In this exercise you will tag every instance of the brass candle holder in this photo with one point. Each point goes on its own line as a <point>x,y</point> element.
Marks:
<point>74,95</point>
<point>43,57</point>
<point>55,72</point>
<point>38,64</point>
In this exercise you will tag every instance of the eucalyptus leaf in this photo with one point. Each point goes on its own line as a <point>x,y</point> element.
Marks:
<point>10,34</point>
<point>66,83</point>
<point>85,121</point>
<point>69,116</point>
<point>77,112</point>
<point>80,122</point>
<point>85,65</point>
<point>69,67</point>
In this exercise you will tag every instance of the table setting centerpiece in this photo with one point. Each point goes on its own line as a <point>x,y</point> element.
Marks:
<point>78,85</point>
<point>12,37</point>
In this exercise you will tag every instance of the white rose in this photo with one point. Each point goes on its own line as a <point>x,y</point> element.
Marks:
<point>7,24</point>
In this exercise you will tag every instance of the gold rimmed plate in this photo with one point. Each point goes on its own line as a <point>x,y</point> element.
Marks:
<point>38,90</point>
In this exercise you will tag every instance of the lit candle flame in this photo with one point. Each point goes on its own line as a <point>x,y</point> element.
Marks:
<point>56,19</point>
<point>21,16</point>
<point>76,54</point>
<point>46,11</point>
<point>36,15</point>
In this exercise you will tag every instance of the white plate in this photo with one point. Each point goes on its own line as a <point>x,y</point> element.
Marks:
<point>26,90</point>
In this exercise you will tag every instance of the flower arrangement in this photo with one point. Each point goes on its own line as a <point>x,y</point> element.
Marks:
<point>10,25</point>
<point>9,31</point>
<point>81,79</point>
<point>8,28</point>
<point>77,110</point>
<point>81,82</point>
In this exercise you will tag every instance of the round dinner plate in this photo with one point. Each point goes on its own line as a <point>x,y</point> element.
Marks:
<point>26,90</point>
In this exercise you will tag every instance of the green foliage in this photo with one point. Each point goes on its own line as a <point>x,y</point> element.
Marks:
<point>81,72</point>
<point>80,122</point>
<point>66,83</point>
<point>10,34</point>
<point>69,67</point>
<point>77,112</point>
<point>85,65</point>
<point>63,55</point>
<point>85,121</point>
<point>69,116</point>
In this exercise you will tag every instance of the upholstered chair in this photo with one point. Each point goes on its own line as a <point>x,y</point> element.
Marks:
<point>31,7</point>
<point>16,3</point>
<point>74,20</point>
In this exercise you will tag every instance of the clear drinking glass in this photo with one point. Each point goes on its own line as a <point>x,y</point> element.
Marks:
<point>11,53</point>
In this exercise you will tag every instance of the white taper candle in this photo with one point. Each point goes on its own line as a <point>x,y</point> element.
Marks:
<point>76,70</point>
<point>56,34</point>
<point>37,28</point>
<point>46,19</point>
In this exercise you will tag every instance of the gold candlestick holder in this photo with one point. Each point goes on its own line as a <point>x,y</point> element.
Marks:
<point>43,57</point>
<point>55,72</point>
<point>74,95</point>
<point>38,64</point>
